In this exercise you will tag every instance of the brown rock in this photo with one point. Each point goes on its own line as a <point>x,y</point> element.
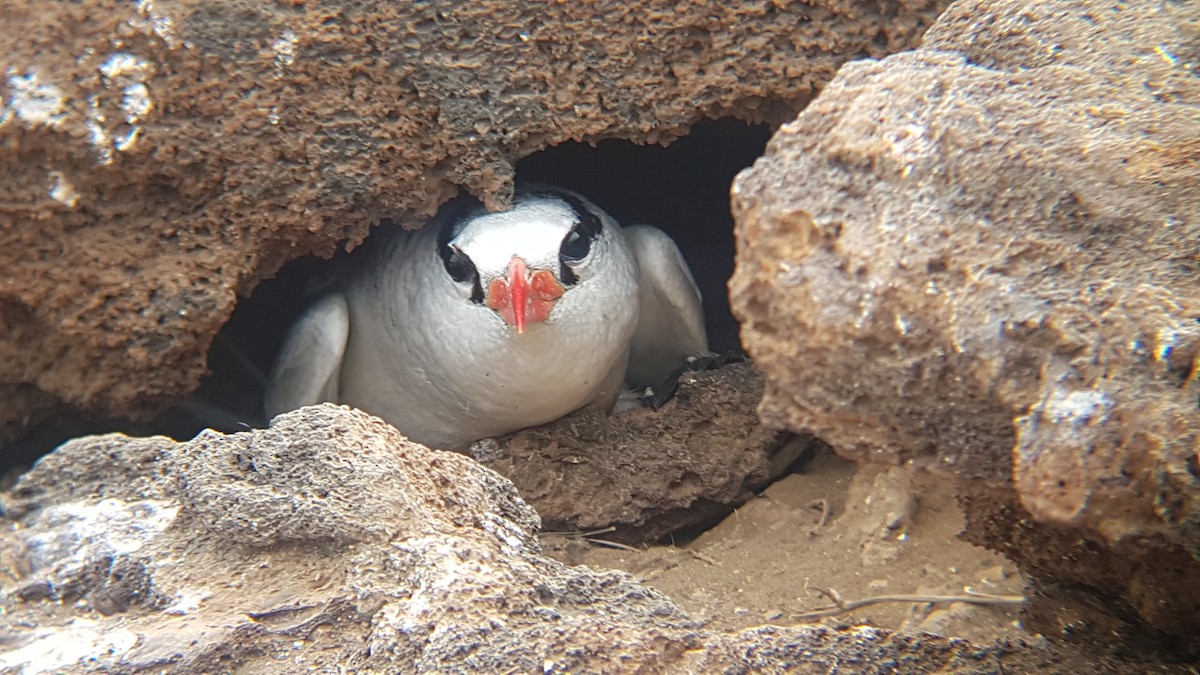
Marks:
<point>882,499</point>
<point>650,472</point>
<point>158,158</point>
<point>984,254</point>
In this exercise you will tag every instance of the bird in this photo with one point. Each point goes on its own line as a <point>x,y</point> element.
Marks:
<point>482,323</point>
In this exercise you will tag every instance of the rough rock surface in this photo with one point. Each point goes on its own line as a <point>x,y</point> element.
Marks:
<point>650,472</point>
<point>329,542</point>
<point>984,255</point>
<point>159,157</point>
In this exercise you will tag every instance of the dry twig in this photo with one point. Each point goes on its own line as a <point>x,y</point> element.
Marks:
<point>590,538</point>
<point>824,504</point>
<point>841,606</point>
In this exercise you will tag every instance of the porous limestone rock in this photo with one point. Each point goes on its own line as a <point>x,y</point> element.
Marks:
<point>329,543</point>
<point>985,255</point>
<point>648,472</point>
<point>159,157</point>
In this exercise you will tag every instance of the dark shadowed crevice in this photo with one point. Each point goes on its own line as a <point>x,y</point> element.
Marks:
<point>682,189</point>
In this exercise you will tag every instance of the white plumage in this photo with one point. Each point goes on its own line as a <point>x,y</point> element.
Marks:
<point>424,331</point>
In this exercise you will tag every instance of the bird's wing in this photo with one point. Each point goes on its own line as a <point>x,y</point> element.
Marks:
<point>309,364</point>
<point>671,319</point>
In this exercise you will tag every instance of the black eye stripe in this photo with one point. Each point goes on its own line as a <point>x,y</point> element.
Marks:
<point>577,244</point>
<point>567,275</point>
<point>588,223</point>
<point>461,269</point>
<point>459,265</point>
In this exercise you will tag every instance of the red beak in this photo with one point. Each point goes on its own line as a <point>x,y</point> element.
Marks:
<point>522,296</point>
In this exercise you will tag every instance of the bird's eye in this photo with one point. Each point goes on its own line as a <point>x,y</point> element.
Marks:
<point>458,265</point>
<point>576,245</point>
<point>461,269</point>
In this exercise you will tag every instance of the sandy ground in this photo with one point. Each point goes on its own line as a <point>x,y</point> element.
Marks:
<point>825,535</point>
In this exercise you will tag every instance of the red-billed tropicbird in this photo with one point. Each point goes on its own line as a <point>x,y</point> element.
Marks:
<point>480,324</point>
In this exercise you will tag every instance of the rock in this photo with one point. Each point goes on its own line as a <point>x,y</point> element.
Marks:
<point>983,255</point>
<point>649,472</point>
<point>159,158</point>
<point>122,555</point>
<point>882,499</point>
<point>266,541</point>
<point>958,620</point>
<point>812,649</point>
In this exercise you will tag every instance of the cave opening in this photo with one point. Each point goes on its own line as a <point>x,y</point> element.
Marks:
<point>681,188</point>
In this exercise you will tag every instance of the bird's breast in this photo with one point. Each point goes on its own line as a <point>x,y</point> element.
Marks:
<point>537,376</point>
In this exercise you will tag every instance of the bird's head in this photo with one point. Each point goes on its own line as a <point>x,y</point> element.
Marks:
<point>520,262</point>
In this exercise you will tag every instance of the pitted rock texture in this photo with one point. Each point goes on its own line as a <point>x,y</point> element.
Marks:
<point>157,158</point>
<point>650,472</point>
<point>985,254</point>
<point>113,564</point>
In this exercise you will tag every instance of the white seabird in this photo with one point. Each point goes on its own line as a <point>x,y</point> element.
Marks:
<point>479,324</point>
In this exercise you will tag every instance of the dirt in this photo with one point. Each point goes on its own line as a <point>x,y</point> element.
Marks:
<point>828,529</point>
